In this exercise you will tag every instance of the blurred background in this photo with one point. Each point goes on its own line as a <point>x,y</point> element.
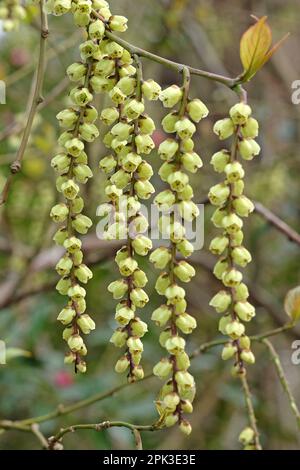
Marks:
<point>204,34</point>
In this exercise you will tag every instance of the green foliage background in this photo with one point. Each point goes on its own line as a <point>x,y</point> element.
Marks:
<point>204,34</point>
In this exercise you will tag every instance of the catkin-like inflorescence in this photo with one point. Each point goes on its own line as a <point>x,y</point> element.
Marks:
<point>12,12</point>
<point>177,151</point>
<point>232,206</point>
<point>71,164</point>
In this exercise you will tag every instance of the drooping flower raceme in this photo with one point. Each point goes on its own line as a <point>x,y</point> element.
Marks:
<point>129,141</point>
<point>232,206</point>
<point>71,164</point>
<point>177,151</point>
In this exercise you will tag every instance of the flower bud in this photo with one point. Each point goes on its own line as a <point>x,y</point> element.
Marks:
<point>171,420</point>
<point>244,342</point>
<point>170,401</point>
<point>60,162</point>
<point>248,148</point>
<point>229,350</point>
<point>186,323</point>
<point>166,170</point>
<point>165,199</point>
<point>185,247</point>
<point>122,365</point>
<point>175,293</point>
<point>139,278</point>
<point>218,194</point>
<point>146,125</point>
<point>185,427</point>
<point>223,322</point>
<point>224,128</point>
<point>185,128</point>
<point>138,327</point>
<point>219,160</point>
<point>191,162</point>
<point>70,189</point>
<point>235,329</point>
<point>118,23</point>
<point>88,131</point>
<point>76,71</point>
<point>128,266</point>
<point>76,292</point>
<point>81,96</point>
<point>81,223</point>
<point>86,324</point>
<point>113,192</point>
<point>248,356</point>
<point>67,118</point>
<point>60,7</point>
<point>246,436</point>
<point>138,373</point>
<point>75,343</point>
<point>221,301</point>
<point>63,286</point>
<point>197,110</point>
<point>119,338</point>
<point>144,171</point>
<point>109,115</point>
<point>243,206</point>
<point>184,271</point>
<point>218,216</point>
<point>82,173</point>
<point>232,223</point>
<point>220,267</point>
<point>113,50</point>
<point>117,96</point>
<point>239,113</point>
<point>96,29</point>
<point>184,379</point>
<point>249,130</point>
<point>60,236</point>
<point>232,277</point>
<point>133,109</point>
<point>134,344</point>
<point>74,147</point>
<point>234,172</point>
<point>139,297</point>
<point>168,122</point>
<point>168,149</point>
<point>144,189</point>
<point>178,180</point>
<point>160,257</point>
<point>162,283</point>
<point>241,292</point>
<point>118,288</point>
<point>161,315</point>
<point>120,179</point>
<point>59,212</point>
<point>218,245</point>
<point>70,358</point>
<point>144,144</point>
<point>108,164</point>
<point>83,273</point>
<point>64,266</point>
<point>142,245</point>
<point>151,90</point>
<point>241,256</point>
<point>131,161</point>
<point>170,96</point>
<point>175,345</point>
<point>163,368</point>
<point>244,310</point>
<point>66,315</point>
<point>124,315</point>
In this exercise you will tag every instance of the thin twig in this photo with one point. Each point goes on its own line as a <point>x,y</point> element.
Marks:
<point>251,413</point>
<point>36,431</point>
<point>134,50</point>
<point>15,167</point>
<point>283,380</point>
<point>101,426</point>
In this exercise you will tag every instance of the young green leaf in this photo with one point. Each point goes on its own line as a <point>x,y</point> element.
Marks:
<point>255,47</point>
